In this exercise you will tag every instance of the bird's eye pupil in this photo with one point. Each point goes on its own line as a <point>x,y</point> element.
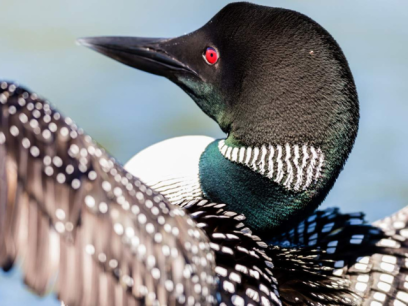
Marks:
<point>210,55</point>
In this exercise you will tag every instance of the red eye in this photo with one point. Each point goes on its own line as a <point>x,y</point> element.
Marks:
<point>211,55</point>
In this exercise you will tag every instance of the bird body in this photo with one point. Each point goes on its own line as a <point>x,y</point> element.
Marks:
<point>199,167</point>
<point>171,167</point>
<point>247,231</point>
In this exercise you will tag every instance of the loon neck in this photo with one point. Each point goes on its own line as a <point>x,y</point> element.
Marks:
<point>270,184</point>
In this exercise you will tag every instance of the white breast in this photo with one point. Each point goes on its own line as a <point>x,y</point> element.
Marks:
<point>171,167</point>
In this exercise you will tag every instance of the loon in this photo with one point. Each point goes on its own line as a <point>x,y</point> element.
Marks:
<point>278,85</point>
<point>244,230</point>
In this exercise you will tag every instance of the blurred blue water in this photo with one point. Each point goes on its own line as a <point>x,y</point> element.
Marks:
<point>126,110</point>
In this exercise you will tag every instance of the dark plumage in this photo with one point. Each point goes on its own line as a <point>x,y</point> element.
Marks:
<point>74,212</point>
<point>280,79</point>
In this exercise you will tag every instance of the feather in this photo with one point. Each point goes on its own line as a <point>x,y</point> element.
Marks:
<point>82,225</point>
<point>371,259</point>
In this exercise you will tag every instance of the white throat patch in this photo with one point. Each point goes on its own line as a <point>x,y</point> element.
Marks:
<point>293,166</point>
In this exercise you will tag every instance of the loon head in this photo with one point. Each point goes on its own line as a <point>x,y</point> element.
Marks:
<point>279,85</point>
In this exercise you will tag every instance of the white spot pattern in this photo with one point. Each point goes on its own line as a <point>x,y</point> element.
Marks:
<point>88,219</point>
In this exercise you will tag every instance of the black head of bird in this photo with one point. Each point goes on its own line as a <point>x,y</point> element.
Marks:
<point>279,85</point>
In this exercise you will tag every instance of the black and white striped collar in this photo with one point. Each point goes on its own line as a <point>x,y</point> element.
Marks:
<point>296,167</point>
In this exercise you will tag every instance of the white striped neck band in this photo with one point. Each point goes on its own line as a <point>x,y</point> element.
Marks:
<point>296,167</point>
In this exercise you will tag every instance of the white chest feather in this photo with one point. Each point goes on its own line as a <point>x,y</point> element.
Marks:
<point>171,167</point>
<point>293,166</point>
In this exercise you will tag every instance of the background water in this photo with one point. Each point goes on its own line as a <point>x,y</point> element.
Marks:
<point>126,110</point>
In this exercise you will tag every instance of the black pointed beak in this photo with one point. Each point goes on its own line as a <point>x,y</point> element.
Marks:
<point>147,54</point>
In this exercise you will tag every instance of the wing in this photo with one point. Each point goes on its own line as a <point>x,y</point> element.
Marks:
<point>372,258</point>
<point>83,226</point>
<point>304,278</point>
<point>244,270</point>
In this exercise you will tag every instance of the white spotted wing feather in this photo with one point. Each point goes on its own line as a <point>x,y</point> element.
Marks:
<point>82,225</point>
